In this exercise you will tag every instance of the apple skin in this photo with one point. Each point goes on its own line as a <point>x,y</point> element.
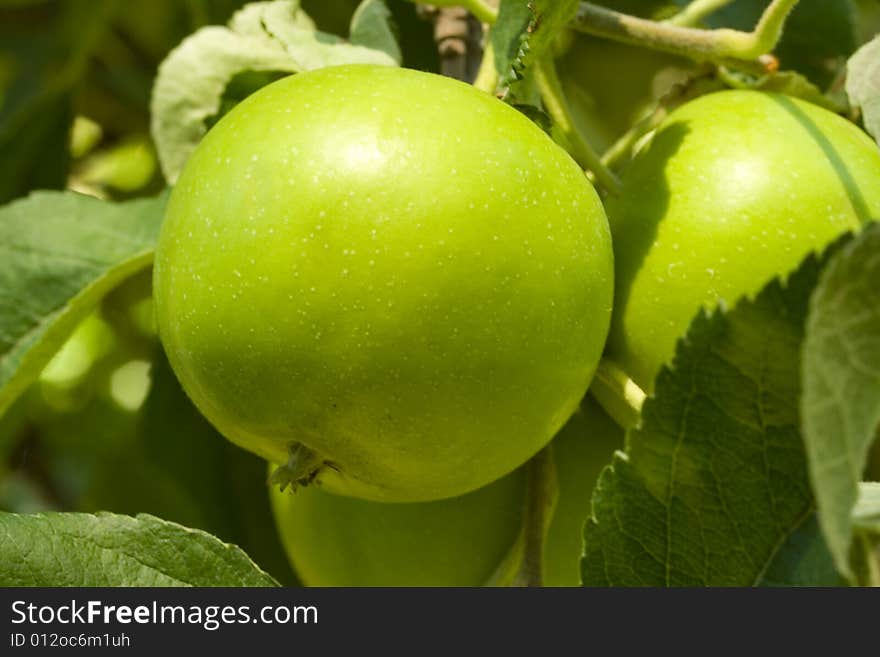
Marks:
<point>735,188</point>
<point>336,540</point>
<point>333,540</point>
<point>391,268</point>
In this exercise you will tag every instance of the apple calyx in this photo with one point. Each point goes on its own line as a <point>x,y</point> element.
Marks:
<point>302,467</point>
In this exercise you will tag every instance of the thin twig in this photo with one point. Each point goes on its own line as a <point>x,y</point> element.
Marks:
<point>557,107</point>
<point>715,45</point>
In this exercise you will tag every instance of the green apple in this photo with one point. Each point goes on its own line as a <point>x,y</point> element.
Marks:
<point>735,188</point>
<point>395,282</point>
<point>333,540</point>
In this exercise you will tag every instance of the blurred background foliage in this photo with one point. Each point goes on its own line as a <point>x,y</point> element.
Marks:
<point>106,427</point>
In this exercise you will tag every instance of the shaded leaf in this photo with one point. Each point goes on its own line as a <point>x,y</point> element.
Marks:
<point>372,26</point>
<point>863,84</point>
<point>804,560</point>
<point>62,252</point>
<point>713,487</point>
<point>841,374</point>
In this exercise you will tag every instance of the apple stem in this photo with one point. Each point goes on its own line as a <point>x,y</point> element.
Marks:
<point>557,107</point>
<point>719,45</point>
<point>696,11</point>
<point>542,490</point>
<point>523,565</point>
<point>617,393</point>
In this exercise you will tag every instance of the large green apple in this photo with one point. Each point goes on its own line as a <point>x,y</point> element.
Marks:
<point>333,540</point>
<point>394,279</point>
<point>735,188</point>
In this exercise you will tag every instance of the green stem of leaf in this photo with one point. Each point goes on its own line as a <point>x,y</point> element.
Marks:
<point>618,394</point>
<point>715,45</point>
<point>557,107</point>
<point>696,11</point>
<point>487,75</point>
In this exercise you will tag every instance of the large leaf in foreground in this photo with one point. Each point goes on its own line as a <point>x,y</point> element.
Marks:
<point>60,253</point>
<point>713,487</point>
<point>80,549</point>
<point>841,370</point>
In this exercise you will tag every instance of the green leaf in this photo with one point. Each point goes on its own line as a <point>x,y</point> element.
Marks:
<point>62,252</point>
<point>524,34</point>
<point>804,560</point>
<point>863,84</point>
<point>309,48</point>
<point>507,36</point>
<point>841,374</point>
<point>550,17</point>
<point>372,26</point>
<point>190,85</point>
<point>263,36</point>
<point>713,486</point>
<point>79,549</point>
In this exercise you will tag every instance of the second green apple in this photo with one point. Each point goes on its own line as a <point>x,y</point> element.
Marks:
<point>333,540</point>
